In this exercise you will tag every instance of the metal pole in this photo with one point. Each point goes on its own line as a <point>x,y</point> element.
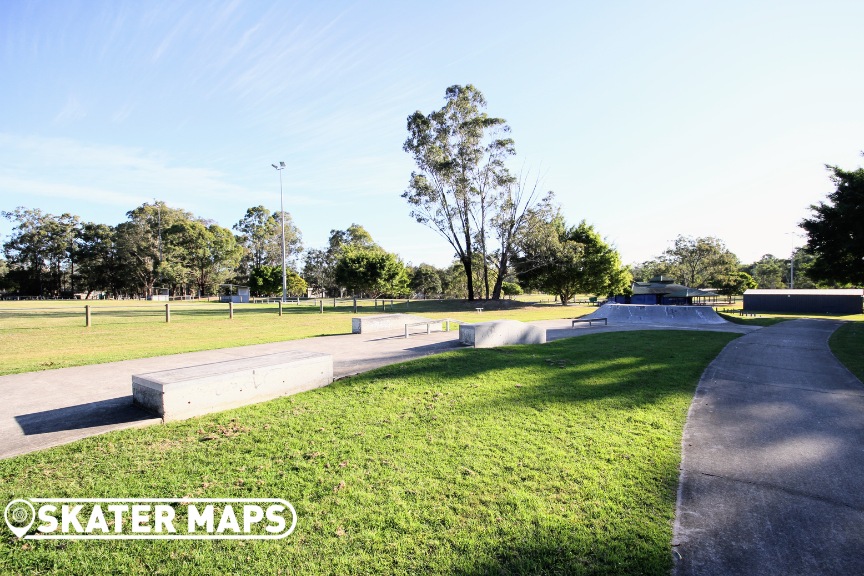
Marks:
<point>792,271</point>
<point>282,219</point>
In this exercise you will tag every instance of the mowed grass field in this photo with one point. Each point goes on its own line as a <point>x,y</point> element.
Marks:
<point>44,335</point>
<point>552,459</point>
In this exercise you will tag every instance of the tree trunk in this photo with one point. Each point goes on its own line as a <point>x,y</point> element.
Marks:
<point>502,270</point>
<point>469,275</point>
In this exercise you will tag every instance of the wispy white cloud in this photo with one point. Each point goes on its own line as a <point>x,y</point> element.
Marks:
<point>72,110</point>
<point>114,175</point>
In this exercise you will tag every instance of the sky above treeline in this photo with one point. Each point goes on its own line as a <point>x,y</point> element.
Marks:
<point>647,119</point>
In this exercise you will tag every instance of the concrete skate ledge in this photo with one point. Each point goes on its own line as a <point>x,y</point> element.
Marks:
<point>195,390</point>
<point>384,322</point>
<point>500,333</point>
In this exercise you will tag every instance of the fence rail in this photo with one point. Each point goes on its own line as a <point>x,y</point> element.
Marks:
<point>93,313</point>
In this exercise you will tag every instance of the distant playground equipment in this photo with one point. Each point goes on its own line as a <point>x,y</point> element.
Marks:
<point>234,293</point>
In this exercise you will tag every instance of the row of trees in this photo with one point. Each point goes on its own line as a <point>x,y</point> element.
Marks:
<point>706,262</point>
<point>163,247</point>
<point>157,246</point>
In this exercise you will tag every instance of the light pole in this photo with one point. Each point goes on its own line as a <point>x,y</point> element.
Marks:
<point>792,260</point>
<point>279,168</point>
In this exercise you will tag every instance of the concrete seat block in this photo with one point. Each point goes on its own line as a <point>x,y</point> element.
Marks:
<point>500,333</point>
<point>385,323</point>
<point>195,390</point>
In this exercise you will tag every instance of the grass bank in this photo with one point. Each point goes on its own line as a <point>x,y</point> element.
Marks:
<point>553,459</point>
<point>847,344</point>
<point>45,334</point>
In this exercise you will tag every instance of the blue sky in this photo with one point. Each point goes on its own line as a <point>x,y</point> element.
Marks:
<point>648,119</point>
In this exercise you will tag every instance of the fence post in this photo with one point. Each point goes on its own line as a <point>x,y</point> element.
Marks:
<point>322,305</point>
<point>280,307</point>
<point>355,305</point>
<point>230,310</point>
<point>167,312</point>
<point>87,315</point>
<point>334,303</point>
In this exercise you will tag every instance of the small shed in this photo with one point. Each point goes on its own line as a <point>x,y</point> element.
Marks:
<point>234,293</point>
<point>843,301</point>
<point>160,293</point>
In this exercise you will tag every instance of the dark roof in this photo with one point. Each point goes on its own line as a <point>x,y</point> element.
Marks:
<point>657,288</point>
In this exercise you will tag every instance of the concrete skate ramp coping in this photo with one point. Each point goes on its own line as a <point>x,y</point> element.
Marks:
<point>657,314</point>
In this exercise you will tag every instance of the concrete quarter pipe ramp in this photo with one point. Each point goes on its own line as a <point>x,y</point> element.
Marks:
<point>657,314</point>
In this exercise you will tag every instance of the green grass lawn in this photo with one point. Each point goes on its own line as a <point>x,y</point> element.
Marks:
<point>847,344</point>
<point>47,334</point>
<point>553,459</point>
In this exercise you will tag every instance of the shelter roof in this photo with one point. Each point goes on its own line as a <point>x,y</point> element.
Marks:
<point>689,293</point>
<point>657,288</point>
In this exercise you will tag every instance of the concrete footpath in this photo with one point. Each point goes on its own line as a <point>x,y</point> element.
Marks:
<point>773,460</point>
<point>52,407</point>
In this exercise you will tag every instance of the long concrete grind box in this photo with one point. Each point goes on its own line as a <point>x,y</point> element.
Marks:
<point>500,333</point>
<point>195,390</point>
<point>385,322</point>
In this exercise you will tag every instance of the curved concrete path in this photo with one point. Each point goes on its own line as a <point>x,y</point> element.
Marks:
<point>52,407</point>
<point>772,474</point>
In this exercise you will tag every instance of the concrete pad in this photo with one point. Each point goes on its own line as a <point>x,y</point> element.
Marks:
<point>772,460</point>
<point>500,333</point>
<point>385,323</point>
<point>658,314</point>
<point>196,390</point>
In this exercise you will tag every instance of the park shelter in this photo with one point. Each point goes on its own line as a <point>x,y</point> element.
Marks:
<point>844,301</point>
<point>663,290</point>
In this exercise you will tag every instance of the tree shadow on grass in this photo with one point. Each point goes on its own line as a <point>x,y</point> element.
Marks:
<point>640,367</point>
<point>610,546</point>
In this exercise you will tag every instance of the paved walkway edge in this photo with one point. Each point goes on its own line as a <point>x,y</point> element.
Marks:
<point>772,460</point>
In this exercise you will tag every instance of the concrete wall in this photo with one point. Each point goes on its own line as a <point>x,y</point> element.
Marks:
<point>196,390</point>
<point>386,322</point>
<point>500,333</point>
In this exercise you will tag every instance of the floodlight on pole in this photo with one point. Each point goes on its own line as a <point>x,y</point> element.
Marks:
<point>282,219</point>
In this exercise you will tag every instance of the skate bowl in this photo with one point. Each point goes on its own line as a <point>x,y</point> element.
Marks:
<point>657,315</point>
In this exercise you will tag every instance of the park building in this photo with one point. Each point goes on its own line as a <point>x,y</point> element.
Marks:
<point>842,301</point>
<point>662,290</point>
